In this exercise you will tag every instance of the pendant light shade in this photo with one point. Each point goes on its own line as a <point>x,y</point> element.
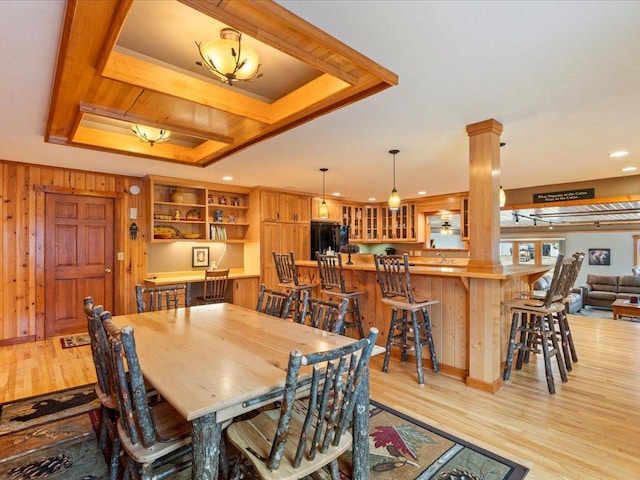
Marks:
<point>394,198</point>
<point>323,211</point>
<point>503,197</point>
<point>151,135</point>
<point>228,59</point>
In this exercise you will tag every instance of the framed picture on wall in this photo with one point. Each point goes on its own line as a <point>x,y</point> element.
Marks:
<point>200,257</point>
<point>599,256</point>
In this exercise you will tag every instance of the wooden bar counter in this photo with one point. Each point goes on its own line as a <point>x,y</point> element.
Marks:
<point>448,283</point>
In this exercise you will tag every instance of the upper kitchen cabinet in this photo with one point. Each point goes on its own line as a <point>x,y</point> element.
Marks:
<point>334,206</point>
<point>398,225</point>
<point>289,207</point>
<point>352,216</point>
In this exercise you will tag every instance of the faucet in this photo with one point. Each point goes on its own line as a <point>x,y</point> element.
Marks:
<point>443,255</point>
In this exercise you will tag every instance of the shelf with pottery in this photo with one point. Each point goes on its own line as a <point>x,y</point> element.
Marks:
<point>183,210</point>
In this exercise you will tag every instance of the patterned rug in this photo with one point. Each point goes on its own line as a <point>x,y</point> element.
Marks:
<point>63,445</point>
<point>51,436</point>
<point>78,340</point>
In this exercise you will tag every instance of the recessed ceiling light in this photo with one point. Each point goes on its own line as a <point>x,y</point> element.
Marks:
<point>336,194</point>
<point>629,169</point>
<point>371,199</point>
<point>422,192</point>
<point>227,178</point>
<point>619,153</point>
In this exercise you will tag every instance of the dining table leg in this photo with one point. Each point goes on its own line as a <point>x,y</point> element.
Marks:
<point>206,436</point>
<point>361,432</point>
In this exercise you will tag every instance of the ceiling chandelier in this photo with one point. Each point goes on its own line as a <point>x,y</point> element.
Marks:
<point>151,135</point>
<point>446,228</point>
<point>227,59</point>
<point>394,199</point>
<point>323,211</point>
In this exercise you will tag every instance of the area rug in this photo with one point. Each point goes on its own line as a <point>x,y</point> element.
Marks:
<point>401,448</point>
<point>41,409</point>
<point>51,436</point>
<point>78,340</point>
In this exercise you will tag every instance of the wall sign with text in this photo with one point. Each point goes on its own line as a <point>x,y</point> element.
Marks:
<point>583,194</point>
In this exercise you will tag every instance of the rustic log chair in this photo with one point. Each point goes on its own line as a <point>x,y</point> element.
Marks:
<point>291,443</point>
<point>274,303</point>
<point>105,389</point>
<point>410,334</point>
<point>323,314</point>
<point>156,438</point>
<point>215,287</point>
<point>533,320</point>
<point>288,277</point>
<point>333,285</point>
<point>163,297</point>
<point>562,321</point>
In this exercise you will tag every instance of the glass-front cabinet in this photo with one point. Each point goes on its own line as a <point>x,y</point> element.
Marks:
<point>372,217</point>
<point>398,225</point>
<point>352,217</point>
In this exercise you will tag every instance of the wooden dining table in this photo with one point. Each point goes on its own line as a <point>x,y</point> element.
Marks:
<point>214,362</point>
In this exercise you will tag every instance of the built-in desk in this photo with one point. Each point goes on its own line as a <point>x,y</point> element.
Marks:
<point>243,289</point>
<point>450,318</point>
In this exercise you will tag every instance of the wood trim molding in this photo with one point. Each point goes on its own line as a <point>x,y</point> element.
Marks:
<point>75,191</point>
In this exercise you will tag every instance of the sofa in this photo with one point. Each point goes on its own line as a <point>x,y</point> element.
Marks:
<point>573,300</point>
<point>603,290</point>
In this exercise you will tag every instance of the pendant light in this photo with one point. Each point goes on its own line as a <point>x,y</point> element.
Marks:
<point>394,199</point>
<point>323,211</point>
<point>503,197</point>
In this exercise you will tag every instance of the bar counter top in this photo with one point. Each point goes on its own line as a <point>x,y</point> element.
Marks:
<point>450,268</point>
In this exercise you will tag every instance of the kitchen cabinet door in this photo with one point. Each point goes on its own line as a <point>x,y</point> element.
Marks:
<point>245,292</point>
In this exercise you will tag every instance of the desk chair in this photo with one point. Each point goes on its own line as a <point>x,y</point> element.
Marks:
<point>274,303</point>
<point>533,320</point>
<point>104,388</point>
<point>404,332</point>
<point>333,285</point>
<point>215,287</point>
<point>295,442</point>
<point>163,297</point>
<point>325,315</point>
<point>288,277</point>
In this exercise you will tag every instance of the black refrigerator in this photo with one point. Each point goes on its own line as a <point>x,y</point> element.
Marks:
<point>328,234</point>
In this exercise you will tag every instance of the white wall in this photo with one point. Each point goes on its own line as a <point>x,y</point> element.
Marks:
<point>620,243</point>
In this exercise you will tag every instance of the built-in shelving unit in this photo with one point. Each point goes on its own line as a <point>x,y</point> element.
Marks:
<point>183,210</point>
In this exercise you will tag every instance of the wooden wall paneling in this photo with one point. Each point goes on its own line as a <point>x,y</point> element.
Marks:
<point>9,252</point>
<point>22,218</point>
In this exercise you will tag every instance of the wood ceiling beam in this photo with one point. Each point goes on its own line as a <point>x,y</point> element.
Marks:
<point>130,118</point>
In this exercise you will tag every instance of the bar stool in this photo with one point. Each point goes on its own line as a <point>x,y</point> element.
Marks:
<point>333,285</point>
<point>288,277</point>
<point>533,320</point>
<point>395,285</point>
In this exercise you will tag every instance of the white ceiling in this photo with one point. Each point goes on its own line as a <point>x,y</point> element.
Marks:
<point>562,77</point>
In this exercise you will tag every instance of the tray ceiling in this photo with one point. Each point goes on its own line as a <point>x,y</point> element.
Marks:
<point>126,62</point>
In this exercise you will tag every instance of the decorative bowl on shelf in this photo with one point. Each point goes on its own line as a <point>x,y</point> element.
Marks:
<point>193,214</point>
<point>191,236</point>
<point>165,232</point>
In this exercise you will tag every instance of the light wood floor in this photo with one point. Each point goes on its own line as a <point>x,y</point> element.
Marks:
<point>589,430</point>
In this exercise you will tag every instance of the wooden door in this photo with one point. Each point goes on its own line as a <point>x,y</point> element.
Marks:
<point>78,259</point>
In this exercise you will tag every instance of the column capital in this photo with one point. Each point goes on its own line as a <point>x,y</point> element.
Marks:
<point>486,126</point>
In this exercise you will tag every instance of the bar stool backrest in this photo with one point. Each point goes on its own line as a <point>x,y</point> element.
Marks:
<point>393,276</point>
<point>286,268</point>
<point>554,293</point>
<point>331,276</point>
<point>99,346</point>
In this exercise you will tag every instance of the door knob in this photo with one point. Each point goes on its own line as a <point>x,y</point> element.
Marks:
<point>107,270</point>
